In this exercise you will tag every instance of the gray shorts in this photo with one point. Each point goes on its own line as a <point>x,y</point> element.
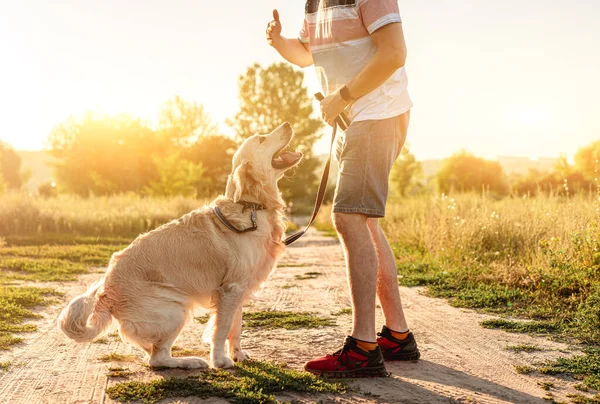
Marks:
<point>366,153</point>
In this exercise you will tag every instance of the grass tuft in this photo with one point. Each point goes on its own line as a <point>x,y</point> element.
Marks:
<point>5,365</point>
<point>524,369</point>
<point>115,357</point>
<point>202,319</point>
<point>580,399</point>
<point>520,326</point>
<point>546,385</point>
<point>308,275</point>
<point>250,382</point>
<point>177,351</point>
<point>523,348</point>
<point>345,310</point>
<point>584,367</point>
<point>285,319</point>
<point>118,371</point>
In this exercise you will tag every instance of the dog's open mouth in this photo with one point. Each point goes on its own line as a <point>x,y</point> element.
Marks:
<point>285,159</point>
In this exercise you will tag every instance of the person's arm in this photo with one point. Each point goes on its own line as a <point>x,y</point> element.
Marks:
<point>292,50</point>
<point>390,56</point>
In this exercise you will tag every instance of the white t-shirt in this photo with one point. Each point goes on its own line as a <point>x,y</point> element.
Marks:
<point>339,34</point>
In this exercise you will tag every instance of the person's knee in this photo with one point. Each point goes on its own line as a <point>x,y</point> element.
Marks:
<point>346,223</point>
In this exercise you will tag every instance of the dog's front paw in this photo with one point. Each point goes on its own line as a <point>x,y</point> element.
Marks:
<point>194,363</point>
<point>222,362</point>
<point>239,356</point>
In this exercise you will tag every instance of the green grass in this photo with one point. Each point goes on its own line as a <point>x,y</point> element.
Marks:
<point>64,239</point>
<point>345,310</point>
<point>178,351</point>
<point>291,265</point>
<point>39,270</point>
<point>16,304</point>
<point>584,367</point>
<point>202,319</point>
<point>546,385</point>
<point>523,348</point>
<point>250,382</point>
<point>5,365</point>
<point>90,254</point>
<point>115,357</point>
<point>524,369</point>
<point>285,319</point>
<point>579,399</point>
<point>308,275</point>
<point>118,371</point>
<point>534,327</point>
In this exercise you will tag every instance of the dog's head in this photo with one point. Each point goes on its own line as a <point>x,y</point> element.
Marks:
<point>257,166</point>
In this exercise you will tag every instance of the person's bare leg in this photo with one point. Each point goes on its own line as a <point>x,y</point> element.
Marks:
<point>387,280</point>
<point>361,264</point>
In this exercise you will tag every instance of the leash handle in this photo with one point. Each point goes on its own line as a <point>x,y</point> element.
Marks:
<point>342,120</point>
<point>323,185</point>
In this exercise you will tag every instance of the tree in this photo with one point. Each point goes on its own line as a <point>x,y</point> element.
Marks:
<point>214,153</point>
<point>176,176</point>
<point>10,167</point>
<point>464,172</point>
<point>405,169</point>
<point>104,155</point>
<point>194,134</point>
<point>183,123</point>
<point>587,160</point>
<point>2,182</point>
<point>273,95</point>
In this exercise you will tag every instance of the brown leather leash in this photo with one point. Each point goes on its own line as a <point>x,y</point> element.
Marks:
<point>343,122</point>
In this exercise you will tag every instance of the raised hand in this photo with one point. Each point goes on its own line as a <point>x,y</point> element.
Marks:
<point>274,29</point>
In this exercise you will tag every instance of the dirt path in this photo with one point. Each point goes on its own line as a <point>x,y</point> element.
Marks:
<point>461,362</point>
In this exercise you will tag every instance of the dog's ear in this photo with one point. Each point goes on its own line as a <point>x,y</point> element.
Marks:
<point>242,181</point>
<point>247,181</point>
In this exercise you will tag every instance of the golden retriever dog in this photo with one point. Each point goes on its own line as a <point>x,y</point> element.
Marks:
<point>151,286</point>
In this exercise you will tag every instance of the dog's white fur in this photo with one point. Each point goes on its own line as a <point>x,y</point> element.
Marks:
<point>151,287</point>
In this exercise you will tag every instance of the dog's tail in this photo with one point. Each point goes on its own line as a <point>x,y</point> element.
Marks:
<point>84,319</point>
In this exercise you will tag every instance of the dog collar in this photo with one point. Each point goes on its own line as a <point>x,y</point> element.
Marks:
<point>250,205</point>
<point>247,205</point>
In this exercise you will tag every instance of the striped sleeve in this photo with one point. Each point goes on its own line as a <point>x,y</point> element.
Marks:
<point>304,36</point>
<point>378,13</point>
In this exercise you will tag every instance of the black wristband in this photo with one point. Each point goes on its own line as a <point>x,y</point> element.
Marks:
<point>345,93</point>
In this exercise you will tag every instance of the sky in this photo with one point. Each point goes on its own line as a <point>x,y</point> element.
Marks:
<point>495,78</point>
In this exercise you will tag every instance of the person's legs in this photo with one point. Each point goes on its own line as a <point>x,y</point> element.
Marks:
<point>361,264</point>
<point>366,154</point>
<point>387,280</point>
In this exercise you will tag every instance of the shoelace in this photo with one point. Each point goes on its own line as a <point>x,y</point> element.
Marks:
<point>339,354</point>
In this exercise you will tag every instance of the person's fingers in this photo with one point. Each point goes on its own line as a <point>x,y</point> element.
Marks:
<point>276,15</point>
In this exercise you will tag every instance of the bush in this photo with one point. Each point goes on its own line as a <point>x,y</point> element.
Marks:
<point>464,172</point>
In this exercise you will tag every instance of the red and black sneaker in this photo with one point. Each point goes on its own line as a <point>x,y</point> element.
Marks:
<point>350,361</point>
<point>396,349</point>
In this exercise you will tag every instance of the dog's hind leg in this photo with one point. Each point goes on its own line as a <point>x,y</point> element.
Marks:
<point>157,335</point>
<point>233,340</point>
<point>161,356</point>
<point>230,300</point>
